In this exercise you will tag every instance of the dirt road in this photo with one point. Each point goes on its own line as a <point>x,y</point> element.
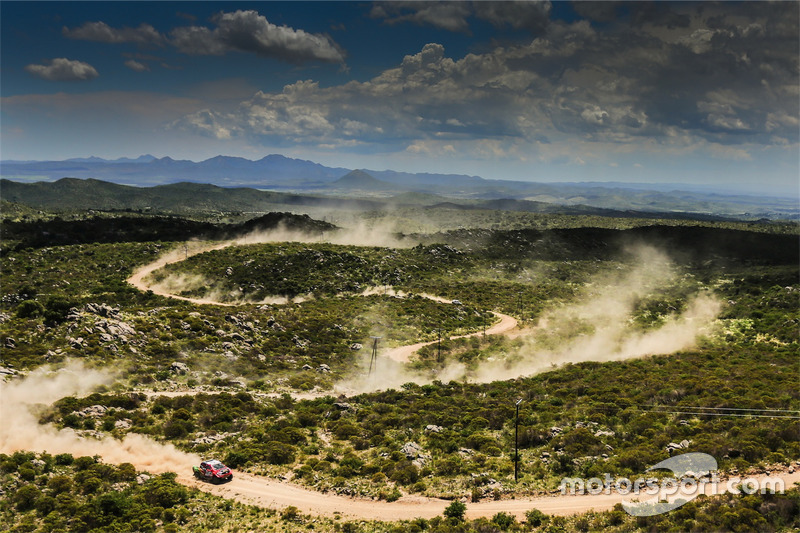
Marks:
<point>403,353</point>
<point>137,278</point>
<point>265,492</point>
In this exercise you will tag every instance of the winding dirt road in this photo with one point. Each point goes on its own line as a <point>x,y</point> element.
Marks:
<point>266,492</point>
<point>401,354</point>
<point>138,276</point>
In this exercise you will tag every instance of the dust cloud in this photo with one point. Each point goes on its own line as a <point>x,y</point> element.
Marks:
<point>21,430</point>
<point>377,234</point>
<point>596,328</point>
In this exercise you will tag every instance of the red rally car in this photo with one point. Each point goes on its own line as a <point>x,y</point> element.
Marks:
<point>213,471</point>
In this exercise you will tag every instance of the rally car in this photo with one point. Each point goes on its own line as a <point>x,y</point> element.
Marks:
<point>213,471</point>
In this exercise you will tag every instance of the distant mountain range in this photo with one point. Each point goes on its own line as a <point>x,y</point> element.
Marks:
<point>279,173</point>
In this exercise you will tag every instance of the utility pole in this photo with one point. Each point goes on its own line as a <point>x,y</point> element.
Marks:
<point>373,360</point>
<point>439,347</point>
<point>516,441</point>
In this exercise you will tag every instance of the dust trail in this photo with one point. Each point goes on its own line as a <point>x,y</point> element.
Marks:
<point>21,430</point>
<point>600,329</point>
<point>597,328</point>
<point>378,234</point>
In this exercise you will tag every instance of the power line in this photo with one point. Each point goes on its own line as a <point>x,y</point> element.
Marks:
<point>710,411</point>
<point>727,408</point>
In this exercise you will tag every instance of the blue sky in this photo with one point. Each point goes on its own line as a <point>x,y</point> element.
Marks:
<point>539,91</point>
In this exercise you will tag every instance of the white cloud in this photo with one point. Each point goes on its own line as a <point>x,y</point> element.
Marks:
<point>136,65</point>
<point>533,15</point>
<point>101,32</point>
<point>242,31</point>
<point>247,31</point>
<point>63,69</point>
<point>451,16</point>
<point>573,93</point>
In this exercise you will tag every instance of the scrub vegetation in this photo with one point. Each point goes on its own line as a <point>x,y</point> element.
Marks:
<point>266,383</point>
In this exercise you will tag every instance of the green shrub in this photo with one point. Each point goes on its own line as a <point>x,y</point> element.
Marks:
<point>455,510</point>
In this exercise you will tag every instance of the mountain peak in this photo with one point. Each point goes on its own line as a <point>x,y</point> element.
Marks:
<point>358,179</point>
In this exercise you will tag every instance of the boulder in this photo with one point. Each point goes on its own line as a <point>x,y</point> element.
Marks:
<point>411,450</point>
<point>93,411</point>
<point>179,368</point>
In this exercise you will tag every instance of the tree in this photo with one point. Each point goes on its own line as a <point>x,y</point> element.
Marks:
<point>455,510</point>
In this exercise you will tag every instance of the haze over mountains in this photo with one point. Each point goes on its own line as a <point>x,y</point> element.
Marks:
<point>279,173</point>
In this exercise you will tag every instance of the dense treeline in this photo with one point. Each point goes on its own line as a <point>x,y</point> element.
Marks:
<point>19,235</point>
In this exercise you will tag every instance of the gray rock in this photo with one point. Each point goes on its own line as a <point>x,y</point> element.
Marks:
<point>103,310</point>
<point>356,346</point>
<point>323,368</point>
<point>179,368</point>
<point>93,411</point>
<point>76,343</point>
<point>411,450</point>
<point>433,428</point>
<point>673,446</point>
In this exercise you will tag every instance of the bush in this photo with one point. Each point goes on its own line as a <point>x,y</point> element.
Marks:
<point>278,453</point>
<point>455,510</point>
<point>26,497</point>
<point>536,518</point>
<point>29,309</point>
<point>290,514</point>
<point>503,520</point>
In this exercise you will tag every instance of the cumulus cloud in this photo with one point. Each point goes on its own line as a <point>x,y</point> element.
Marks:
<point>451,16</point>
<point>242,31</point>
<point>679,79</point>
<point>63,69</point>
<point>533,15</point>
<point>247,31</point>
<point>101,32</point>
